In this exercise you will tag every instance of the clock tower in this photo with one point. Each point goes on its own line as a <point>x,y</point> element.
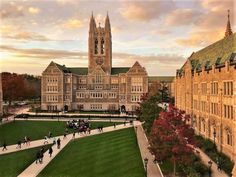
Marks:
<point>100,46</point>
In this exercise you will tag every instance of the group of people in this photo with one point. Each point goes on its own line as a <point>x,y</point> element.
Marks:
<point>40,155</point>
<point>26,141</point>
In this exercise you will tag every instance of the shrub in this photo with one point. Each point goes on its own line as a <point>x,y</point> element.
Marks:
<point>210,149</point>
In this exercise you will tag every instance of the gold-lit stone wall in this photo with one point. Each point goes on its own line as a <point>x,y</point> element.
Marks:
<point>207,92</point>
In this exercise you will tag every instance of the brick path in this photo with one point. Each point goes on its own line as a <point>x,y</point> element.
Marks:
<point>153,170</point>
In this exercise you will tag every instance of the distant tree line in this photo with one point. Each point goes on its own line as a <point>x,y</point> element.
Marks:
<point>19,87</point>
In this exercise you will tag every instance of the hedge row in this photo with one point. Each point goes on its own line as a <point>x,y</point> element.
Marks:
<point>210,149</point>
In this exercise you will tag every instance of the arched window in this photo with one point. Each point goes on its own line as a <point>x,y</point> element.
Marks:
<point>98,78</point>
<point>96,46</point>
<point>102,46</point>
<point>204,125</point>
<point>229,137</point>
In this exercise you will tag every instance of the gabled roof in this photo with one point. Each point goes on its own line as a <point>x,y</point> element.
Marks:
<point>160,78</point>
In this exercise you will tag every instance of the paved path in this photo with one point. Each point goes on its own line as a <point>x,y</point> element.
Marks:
<point>153,169</point>
<point>34,169</point>
<point>82,114</point>
<point>205,159</point>
<point>67,119</point>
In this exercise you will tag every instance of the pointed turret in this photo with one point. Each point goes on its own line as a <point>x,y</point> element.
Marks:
<point>92,24</point>
<point>107,24</point>
<point>228,30</point>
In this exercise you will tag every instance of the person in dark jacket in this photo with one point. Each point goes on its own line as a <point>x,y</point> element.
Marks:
<point>4,146</point>
<point>37,156</point>
<point>58,143</point>
<point>50,151</point>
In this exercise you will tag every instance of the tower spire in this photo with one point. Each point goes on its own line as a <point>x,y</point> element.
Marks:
<point>92,24</point>
<point>107,23</point>
<point>228,30</point>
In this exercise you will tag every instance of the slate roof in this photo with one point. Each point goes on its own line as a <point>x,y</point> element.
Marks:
<point>215,54</point>
<point>119,70</point>
<point>84,71</point>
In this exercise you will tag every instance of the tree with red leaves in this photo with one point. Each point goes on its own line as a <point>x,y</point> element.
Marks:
<point>13,87</point>
<point>170,137</point>
<point>19,87</point>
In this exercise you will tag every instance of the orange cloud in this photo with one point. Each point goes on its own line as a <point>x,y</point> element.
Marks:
<point>211,25</point>
<point>33,10</point>
<point>73,23</point>
<point>201,38</point>
<point>216,5</point>
<point>11,10</point>
<point>145,11</point>
<point>16,33</point>
<point>182,17</point>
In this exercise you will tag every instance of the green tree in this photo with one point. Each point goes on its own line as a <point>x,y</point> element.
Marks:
<point>149,110</point>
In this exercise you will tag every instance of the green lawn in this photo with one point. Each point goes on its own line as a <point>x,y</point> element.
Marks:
<point>13,164</point>
<point>15,131</point>
<point>114,154</point>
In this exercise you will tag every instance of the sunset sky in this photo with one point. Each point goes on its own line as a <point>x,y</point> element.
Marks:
<point>158,34</point>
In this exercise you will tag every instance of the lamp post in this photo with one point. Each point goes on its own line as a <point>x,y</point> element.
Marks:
<point>209,165</point>
<point>145,165</point>
<point>214,135</point>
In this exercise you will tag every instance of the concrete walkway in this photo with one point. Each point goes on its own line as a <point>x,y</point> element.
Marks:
<point>153,169</point>
<point>205,159</point>
<point>34,169</point>
<point>67,119</point>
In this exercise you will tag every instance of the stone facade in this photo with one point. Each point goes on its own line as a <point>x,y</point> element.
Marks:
<point>156,83</point>
<point>205,87</point>
<point>1,96</point>
<point>98,87</point>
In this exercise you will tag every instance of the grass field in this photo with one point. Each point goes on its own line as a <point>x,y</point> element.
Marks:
<point>15,131</point>
<point>13,164</point>
<point>114,154</point>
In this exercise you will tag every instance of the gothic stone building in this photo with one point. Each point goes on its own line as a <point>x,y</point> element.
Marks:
<point>98,87</point>
<point>205,87</point>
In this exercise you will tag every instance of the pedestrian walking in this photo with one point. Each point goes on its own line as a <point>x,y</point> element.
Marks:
<point>25,140</point>
<point>67,131</point>
<point>4,146</point>
<point>124,123</point>
<point>102,128</point>
<point>73,136</point>
<point>89,130</point>
<point>54,141</point>
<point>114,125</point>
<point>50,134</point>
<point>41,155</point>
<point>64,136</point>
<point>18,144</point>
<point>45,140</point>
<point>50,151</point>
<point>28,141</point>
<point>37,157</point>
<point>58,143</point>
